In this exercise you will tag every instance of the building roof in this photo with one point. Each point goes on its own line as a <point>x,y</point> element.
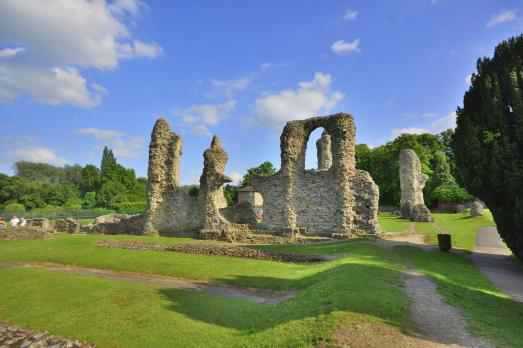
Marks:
<point>246,189</point>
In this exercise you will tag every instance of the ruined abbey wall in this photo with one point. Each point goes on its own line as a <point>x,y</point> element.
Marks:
<point>322,201</point>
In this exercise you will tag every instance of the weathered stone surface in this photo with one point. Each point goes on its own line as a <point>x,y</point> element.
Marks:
<point>476,209</point>
<point>16,336</point>
<point>324,153</point>
<point>116,224</point>
<point>26,232</point>
<point>412,181</point>
<point>240,213</point>
<point>322,201</point>
<point>38,223</point>
<point>66,225</point>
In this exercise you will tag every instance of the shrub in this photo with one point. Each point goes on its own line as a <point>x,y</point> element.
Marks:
<point>130,207</point>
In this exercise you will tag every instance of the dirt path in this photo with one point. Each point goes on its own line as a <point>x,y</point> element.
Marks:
<point>492,257</point>
<point>409,238</point>
<point>438,321</point>
<point>260,296</point>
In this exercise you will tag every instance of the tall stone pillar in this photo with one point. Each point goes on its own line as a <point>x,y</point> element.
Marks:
<point>324,153</point>
<point>412,181</point>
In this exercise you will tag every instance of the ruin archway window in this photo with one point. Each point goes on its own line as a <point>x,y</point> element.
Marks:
<point>318,155</point>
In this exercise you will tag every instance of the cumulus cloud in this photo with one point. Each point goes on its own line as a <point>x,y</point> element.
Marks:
<point>11,52</point>
<point>502,17</point>
<point>236,177</point>
<point>121,144</point>
<point>436,127</point>
<point>344,47</point>
<point>199,117</point>
<point>35,153</point>
<point>59,39</point>
<point>468,80</point>
<point>309,99</point>
<point>350,15</point>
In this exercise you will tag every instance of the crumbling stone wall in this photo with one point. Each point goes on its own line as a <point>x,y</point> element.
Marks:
<point>321,201</point>
<point>412,181</point>
<point>67,225</point>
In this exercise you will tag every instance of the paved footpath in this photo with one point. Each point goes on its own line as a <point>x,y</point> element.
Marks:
<point>493,258</point>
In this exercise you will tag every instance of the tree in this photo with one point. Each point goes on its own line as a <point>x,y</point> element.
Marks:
<point>89,179</point>
<point>231,194</point>
<point>264,169</point>
<point>488,142</point>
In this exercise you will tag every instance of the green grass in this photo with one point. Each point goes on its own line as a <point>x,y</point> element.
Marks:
<point>462,227</point>
<point>428,229</point>
<point>391,223</point>
<point>364,285</point>
<point>491,313</point>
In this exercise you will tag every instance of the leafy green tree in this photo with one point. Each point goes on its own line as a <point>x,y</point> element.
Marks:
<point>231,194</point>
<point>89,200</point>
<point>89,179</point>
<point>264,169</point>
<point>41,172</point>
<point>488,143</point>
<point>451,192</point>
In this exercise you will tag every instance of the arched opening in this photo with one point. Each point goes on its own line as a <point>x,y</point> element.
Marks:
<point>319,154</point>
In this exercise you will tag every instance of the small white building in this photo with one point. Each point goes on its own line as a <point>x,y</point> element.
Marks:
<point>248,195</point>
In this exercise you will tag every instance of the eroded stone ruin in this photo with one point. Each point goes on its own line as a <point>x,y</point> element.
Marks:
<point>339,199</point>
<point>412,181</point>
<point>336,199</point>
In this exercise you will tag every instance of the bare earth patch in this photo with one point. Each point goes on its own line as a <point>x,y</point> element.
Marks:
<point>260,296</point>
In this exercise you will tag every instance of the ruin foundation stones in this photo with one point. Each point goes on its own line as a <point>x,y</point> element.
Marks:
<point>336,199</point>
<point>412,181</point>
<point>66,225</point>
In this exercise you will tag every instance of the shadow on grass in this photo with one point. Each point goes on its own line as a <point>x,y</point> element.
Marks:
<point>366,289</point>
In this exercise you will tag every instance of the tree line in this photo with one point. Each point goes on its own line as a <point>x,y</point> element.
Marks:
<point>39,185</point>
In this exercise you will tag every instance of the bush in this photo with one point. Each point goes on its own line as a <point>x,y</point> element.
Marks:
<point>14,208</point>
<point>130,208</point>
<point>451,192</point>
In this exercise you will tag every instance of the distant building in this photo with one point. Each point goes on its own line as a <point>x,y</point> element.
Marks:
<point>248,195</point>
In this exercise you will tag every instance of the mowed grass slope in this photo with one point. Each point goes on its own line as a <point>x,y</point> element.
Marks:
<point>392,223</point>
<point>363,285</point>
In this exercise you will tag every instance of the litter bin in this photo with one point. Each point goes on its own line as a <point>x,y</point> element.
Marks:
<point>444,241</point>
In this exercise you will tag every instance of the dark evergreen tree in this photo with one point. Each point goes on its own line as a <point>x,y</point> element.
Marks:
<point>488,143</point>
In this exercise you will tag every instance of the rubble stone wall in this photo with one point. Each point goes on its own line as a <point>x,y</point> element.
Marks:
<point>412,181</point>
<point>322,201</point>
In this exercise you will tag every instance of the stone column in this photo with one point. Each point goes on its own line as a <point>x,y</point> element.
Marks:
<point>323,147</point>
<point>412,181</point>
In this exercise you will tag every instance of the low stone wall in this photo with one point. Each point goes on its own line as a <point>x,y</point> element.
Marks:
<point>16,336</point>
<point>217,250</point>
<point>240,213</point>
<point>26,232</point>
<point>38,223</point>
<point>117,224</point>
<point>66,225</point>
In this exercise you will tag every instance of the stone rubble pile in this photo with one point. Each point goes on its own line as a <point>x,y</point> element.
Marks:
<point>16,336</point>
<point>23,233</point>
<point>67,225</point>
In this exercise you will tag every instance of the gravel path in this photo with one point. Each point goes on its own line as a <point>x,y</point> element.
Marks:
<point>493,258</point>
<point>437,320</point>
<point>260,296</point>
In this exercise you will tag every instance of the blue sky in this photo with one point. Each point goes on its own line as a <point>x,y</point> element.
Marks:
<point>76,75</point>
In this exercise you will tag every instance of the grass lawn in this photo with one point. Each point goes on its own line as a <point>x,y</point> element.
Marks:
<point>462,227</point>
<point>365,285</point>
<point>491,313</point>
<point>392,223</point>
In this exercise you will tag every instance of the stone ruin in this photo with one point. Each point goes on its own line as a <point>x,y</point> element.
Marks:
<point>335,200</point>
<point>412,181</point>
<point>476,209</point>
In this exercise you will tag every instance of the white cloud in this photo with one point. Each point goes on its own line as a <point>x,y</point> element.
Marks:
<point>229,87</point>
<point>436,127</point>
<point>343,47</point>
<point>429,115</point>
<point>434,2</point>
<point>350,15</point>
<point>502,17</point>
<point>11,52</point>
<point>468,80</point>
<point>309,99</point>
<point>265,66</point>
<point>119,142</point>
<point>236,177</point>
<point>36,154</point>
<point>200,117</point>
<point>61,38</point>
